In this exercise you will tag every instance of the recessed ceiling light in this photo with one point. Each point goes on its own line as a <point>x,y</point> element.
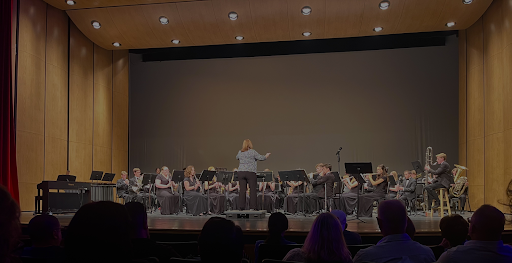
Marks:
<point>467,2</point>
<point>116,44</point>
<point>306,10</point>
<point>450,24</point>
<point>164,20</point>
<point>378,29</point>
<point>175,41</point>
<point>306,34</point>
<point>233,16</point>
<point>70,2</point>
<point>239,38</point>
<point>384,5</point>
<point>95,24</point>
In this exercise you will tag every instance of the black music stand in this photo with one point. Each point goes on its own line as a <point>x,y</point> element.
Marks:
<point>96,175</point>
<point>358,169</point>
<point>149,179</point>
<point>66,178</point>
<point>207,176</point>
<point>337,179</point>
<point>265,177</point>
<point>296,175</point>
<point>108,177</point>
<point>177,176</point>
<point>225,177</point>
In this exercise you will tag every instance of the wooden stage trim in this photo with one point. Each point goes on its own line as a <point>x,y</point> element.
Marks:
<point>298,225</point>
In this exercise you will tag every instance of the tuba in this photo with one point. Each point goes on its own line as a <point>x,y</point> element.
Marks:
<point>460,181</point>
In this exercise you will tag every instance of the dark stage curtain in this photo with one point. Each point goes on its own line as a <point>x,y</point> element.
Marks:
<point>8,171</point>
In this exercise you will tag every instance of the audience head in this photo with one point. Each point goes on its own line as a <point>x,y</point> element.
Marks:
<point>44,231</point>
<point>9,224</point>
<point>139,219</point>
<point>246,145</point>
<point>190,171</point>
<point>99,232</point>
<point>325,241</point>
<point>454,229</point>
<point>221,240</point>
<point>392,217</point>
<point>487,224</point>
<point>342,217</point>
<point>277,225</point>
<point>410,229</point>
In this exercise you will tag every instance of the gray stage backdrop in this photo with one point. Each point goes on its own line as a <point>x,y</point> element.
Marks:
<point>381,106</point>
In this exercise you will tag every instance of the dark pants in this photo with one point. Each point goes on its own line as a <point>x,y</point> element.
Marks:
<point>244,178</point>
<point>432,195</point>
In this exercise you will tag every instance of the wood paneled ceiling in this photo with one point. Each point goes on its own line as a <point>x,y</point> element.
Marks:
<point>135,23</point>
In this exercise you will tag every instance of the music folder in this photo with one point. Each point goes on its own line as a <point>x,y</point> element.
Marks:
<point>178,176</point>
<point>108,177</point>
<point>96,175</point>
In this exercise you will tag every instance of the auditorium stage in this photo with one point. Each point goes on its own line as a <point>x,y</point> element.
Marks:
<point>298,225</point>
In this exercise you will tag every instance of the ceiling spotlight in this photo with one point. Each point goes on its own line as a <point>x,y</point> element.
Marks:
<point>467,2</point>
<point>450,24</point>
<point>378,29</point>
<point>306,10</point>
<point>239,38</point>
<point>116,44</point>
<point>95,24</point>
<point>384,5</point>
<point>175,41</point>
<point>306,34</point>
<point>70,2</point>
<point>233,16</point>
<point>164,20</point>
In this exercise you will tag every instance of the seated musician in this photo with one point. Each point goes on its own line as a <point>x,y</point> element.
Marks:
<point>122,188</point>
<point>408,189</point>
<point>168,198</point>
<point>348,200</point>
<point>393,189</point>
<point>195,200</point>
<point>266,197</point>
<point>442,179</point>
<point>136,187</point>
<point>215,194</point>
<point>325,178</point>
<point>280,193</point>
<point>379,193</point>
<point>293,202</point>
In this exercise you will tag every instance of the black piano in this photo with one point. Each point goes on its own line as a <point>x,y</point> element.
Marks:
<point>61,196</point>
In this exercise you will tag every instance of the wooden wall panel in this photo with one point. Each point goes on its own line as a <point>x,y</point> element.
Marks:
<point>57,38</point>
<point>80,88</point>
<point>493,86</point>
<point>30,162</point>
<point>119,163</point>
<point>102,135</point>
<point>506,24</point>
<point>32,27</point>
<point>55,158</point>
<point>476,195</point>
<point>494,169</point>
<point>80,160</point>
<point>475,45</point>
<point>462,97</point>
<point>492,28</point>
<point>102,159</point>
<point>120,69</point>
<point>507,88</point>
<point>476,162</point>
<point>56,113</point>
<point>31,91</point>
<point>475,98</point>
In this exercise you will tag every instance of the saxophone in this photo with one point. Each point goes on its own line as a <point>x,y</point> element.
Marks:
<point>460,182</point>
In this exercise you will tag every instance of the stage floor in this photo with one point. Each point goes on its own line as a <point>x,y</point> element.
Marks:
<point>298,225</point>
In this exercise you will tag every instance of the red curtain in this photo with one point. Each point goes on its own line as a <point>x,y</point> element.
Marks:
<point>8,171</point>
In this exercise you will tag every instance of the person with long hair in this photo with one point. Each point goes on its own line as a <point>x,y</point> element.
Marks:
<point>248,158</point>
<point>380,185</point>
<point>348,200</point>
<point>9,225</point>
<point>196,202</point>
<point>324,243</point>
<point>169,200</point>
<point>217,197</point>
